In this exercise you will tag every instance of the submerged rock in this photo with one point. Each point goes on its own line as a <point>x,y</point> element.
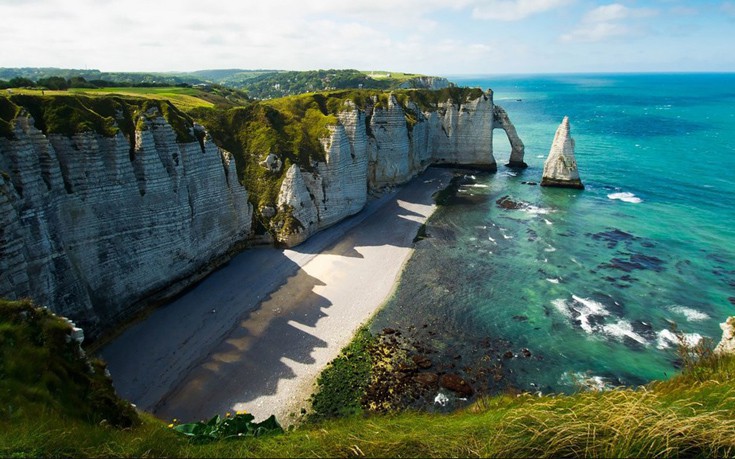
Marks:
<point>560,168</point>
<point>456,384</point>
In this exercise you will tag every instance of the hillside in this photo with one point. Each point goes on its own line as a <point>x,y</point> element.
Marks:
<point>259,84</point>
<point>46,412</point>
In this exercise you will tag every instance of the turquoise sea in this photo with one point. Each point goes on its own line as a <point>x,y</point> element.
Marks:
<point>583,288</point>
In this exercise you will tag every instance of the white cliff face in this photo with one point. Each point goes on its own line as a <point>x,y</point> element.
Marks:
<point>727,343</point>
<point>464,134</point>
<point>389,147</point>
<point>96,228</point>
<point>560,168</point>
<point>91,233</point>
<point>377,147</point>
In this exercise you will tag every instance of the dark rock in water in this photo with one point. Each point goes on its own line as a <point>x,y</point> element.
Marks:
<point>529,183</point>
<point>506,202</point>
<point>637,261</point>
<point>520,318</point>
<point>456,384</point>
<point>623,265</point>
<point>427,379</point>
<point>732,300</point>
<point>532,235</point>
<point>508,355</point>
<point>613,237</point>
<point>422,361</point>
<point>648,261</point>
<point>405,368</point>
<point>644,329</point>
<point>443,233</point>
<point>526,353</point>
<point>648,244</point>
<point>633,344</point>
<point>388,331</point>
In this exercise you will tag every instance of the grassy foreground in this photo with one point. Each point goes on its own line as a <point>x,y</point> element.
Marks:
<point>690,415</point>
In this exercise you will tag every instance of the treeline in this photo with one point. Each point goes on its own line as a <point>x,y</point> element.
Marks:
<point>273,85</point>
<point>60,83</point>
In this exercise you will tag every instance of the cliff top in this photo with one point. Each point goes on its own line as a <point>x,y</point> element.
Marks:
<point>73,113</point>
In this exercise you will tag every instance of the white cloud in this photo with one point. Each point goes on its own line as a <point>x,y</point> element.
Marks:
<point>616,12</point>
<point>515,10</point>
<point>609,21</point>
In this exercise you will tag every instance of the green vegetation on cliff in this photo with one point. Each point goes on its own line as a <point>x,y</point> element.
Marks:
<point>53,404</point>
<point>70,114</point>
<point>44,372</point>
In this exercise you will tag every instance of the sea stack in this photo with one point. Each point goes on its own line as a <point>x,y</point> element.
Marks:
<point>560,168</point>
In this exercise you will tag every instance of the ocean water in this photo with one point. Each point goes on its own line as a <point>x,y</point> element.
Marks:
<point>583,288</point>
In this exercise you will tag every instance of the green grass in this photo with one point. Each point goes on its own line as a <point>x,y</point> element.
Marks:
<point>398,76</point>
<point>47,410</point>
<point>68,113</point>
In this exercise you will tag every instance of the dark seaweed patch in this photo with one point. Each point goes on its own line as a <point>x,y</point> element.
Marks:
<point>613,237</point>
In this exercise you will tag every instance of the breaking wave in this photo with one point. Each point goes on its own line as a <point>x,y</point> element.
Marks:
<point>692,315</point>
<point>625,197</point>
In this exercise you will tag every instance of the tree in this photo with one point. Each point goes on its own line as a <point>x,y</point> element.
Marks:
<point>20,82</point>
<point>54,83</point>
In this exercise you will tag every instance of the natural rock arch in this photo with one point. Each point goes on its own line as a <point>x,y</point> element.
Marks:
<point>518,150</point>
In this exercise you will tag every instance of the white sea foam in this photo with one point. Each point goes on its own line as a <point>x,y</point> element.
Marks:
<point>547,222</point>
<point>692,315</point>
<point>581,309</point>
<point>492,240</point>
<point>540,156</point>
<point>553,281</point>
<point>550,249</point>
<point>441,399</point>
<point>509,174</point>
<point>622,329</point>
<point>531,209</point>
<point>586,308</point>
<point>561,305</point>
<point>584,380</point>
<point>625,197</point>
<point>666,338</point>
<point>505,236</point>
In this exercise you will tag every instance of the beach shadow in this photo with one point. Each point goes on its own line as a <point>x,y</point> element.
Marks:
<point>255,355</point>
<point>241,332</point>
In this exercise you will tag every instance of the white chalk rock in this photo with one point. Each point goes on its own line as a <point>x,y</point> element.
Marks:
<point>727,343</point>
<point>560,168</point>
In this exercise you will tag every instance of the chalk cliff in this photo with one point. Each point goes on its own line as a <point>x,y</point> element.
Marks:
<point>91,225</point>
<point>727,342</point>
<point>110,204</point>
<point>560,167</point>
<point>378,146</point>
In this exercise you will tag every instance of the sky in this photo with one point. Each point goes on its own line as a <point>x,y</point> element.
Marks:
<point>436,37</point>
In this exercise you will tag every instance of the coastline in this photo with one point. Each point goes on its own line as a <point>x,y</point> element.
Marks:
<point>223,348</point>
